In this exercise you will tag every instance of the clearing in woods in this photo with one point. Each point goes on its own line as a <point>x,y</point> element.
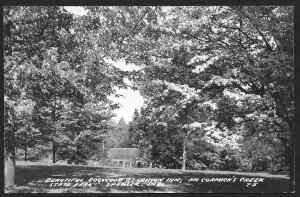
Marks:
<point>31,177</point>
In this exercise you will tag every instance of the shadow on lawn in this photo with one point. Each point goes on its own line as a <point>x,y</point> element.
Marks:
<point>32,178</point>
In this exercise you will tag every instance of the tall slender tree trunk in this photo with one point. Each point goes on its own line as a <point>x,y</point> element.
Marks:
<point>25,147</point>
<point>186,134</point>
<point>183,153</point>
<point>103,151</point>
<point>76,155</point>
<point>292,164</point>
<point>54,121</point>
<point>53,151</point>
<point>25,150</point>
<point>151,165</point>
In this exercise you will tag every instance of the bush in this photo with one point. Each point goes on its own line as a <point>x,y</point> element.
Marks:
<point>229,160</point>
<point>210,159</point>
<point>196,165</point>
<point>222,160</point>
<point>260,164</point>
<point>32,154</point>
<point>216,166</point>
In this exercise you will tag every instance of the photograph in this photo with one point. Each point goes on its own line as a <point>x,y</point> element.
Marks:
<point>149,99</point>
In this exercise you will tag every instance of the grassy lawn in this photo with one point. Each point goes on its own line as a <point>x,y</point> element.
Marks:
<point>31,177</point>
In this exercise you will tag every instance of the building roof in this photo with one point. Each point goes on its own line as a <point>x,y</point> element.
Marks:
<point>122,153</point>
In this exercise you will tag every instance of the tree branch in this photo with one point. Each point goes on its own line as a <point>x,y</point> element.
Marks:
<point>237,28</point>
<point>134,28</point>
<point>260,33</point>
<point>241,88</point>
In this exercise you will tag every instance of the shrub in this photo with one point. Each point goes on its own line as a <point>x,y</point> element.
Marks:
<point>196,165</point>
<point>260,164</point>
<point>230,161</point>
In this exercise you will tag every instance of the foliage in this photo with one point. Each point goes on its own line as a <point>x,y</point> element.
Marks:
<point>232,62</point>
<point>218,83</point>
<point>119,135</point>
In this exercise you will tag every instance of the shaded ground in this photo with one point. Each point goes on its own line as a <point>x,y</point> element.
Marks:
<point>31,177</point>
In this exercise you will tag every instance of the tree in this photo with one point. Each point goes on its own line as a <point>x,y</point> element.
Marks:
<point>223,74</point>
<point>133,130</point>
<point>25,139</point>
<point>173,105</point>
<point>81,129</point>
<point>49,56</point>
<point>27,38</point>
<point>236,52</point>
<point>119,134</point>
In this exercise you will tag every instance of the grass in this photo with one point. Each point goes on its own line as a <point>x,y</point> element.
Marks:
<point>31,176</point>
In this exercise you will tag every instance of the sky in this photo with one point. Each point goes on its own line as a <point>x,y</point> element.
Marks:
<point>77,10</point>
<point>132,99</point>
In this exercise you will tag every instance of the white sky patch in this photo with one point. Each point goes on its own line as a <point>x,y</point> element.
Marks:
<point>76,10</point>
<point>131,99</point>
<point>123,66</point>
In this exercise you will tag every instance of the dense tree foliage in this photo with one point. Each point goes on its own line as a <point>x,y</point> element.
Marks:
<point>217,83</point>
<point>119,136</point>
<point>226,73</point>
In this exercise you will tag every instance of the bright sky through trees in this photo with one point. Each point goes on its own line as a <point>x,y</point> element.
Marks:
<point>132,99</point>
<point>77,10</point>
<point>217,86</point>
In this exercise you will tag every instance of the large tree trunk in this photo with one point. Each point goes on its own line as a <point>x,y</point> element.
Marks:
<point>292,163</point>
<point>10,163</point>
<point>289,156</point>
<point>9,170</point>
<point>292,171</point>
<point>9,151</point>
